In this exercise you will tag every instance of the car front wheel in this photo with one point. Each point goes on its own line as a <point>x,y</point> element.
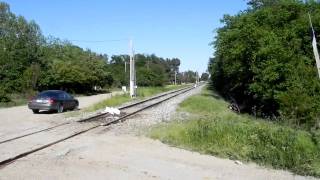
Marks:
<point>35,111</point>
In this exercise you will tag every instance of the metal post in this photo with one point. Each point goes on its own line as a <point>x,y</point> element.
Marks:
<point>125,73</point>
<point>132,72</point>
<point>125,66</point>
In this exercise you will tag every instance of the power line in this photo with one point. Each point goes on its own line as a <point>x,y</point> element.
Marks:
<point>98,41</point>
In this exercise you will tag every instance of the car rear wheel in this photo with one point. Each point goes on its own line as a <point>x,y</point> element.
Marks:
<point>35,111</point>
<point>60,108</point>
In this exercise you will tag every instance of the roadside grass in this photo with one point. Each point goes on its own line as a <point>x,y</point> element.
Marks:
<point>16,100</point>
<point>215,130</point>
<point>113,101</point>
<point>142,93</point>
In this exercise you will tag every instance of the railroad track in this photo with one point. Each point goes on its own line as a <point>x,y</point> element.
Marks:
<point>93,117</point>
<point>30,143</point>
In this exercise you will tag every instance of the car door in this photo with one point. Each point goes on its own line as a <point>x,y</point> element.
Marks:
<point>72,102</point>
<point>68,100</point>
<point>62,100</point>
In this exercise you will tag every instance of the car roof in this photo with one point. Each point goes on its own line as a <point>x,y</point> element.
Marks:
<point>52,91</point>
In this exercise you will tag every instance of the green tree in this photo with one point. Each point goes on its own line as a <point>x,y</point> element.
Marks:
<point>204,77</point>
<point>72,68</point>
<point>20,47</point>
<point>264,60</point>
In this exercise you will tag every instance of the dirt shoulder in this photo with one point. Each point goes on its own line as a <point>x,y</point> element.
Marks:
<point>21,120</point>
<point>104,155</point>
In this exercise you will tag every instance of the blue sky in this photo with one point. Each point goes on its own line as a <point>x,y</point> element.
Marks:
<point>167,28</point>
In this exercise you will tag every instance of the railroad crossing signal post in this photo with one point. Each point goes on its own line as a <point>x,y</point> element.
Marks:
<point>175,77</point>
<point>197,78</point>
<point>132,72</point>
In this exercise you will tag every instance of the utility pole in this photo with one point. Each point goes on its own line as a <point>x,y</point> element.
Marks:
<point>182,78</point>
<point>125,72</point>
<point>132,71</point>
<point>125,66</point>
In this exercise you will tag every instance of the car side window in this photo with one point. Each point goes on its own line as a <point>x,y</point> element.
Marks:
<point>67,96</point>
<point>61,96</point>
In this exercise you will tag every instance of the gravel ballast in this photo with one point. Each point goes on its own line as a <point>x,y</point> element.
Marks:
<point>164,112</point>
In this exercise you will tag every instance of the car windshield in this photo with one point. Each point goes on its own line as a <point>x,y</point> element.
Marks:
<point>48,94</point>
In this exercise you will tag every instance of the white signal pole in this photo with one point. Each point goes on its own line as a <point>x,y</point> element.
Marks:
<point>175,77</point>
<point>132,71</point>
<point>314,45</point>
<point>197,80</point>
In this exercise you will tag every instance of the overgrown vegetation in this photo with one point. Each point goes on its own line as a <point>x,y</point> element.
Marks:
<point>264,62</point>
<point>214,129</point>
<point>14,99</point>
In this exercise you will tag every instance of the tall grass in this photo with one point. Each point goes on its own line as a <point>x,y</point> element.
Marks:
<point>17,99</point>
<point>218,131</point>
<point>113,101</point>
<point>142,93</point>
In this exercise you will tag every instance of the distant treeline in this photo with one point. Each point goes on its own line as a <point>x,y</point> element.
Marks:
<point>30,62</point>
<point>264,62</point>
<point>150,71</point>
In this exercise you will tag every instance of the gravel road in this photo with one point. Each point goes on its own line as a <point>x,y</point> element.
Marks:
<point>122,151</point>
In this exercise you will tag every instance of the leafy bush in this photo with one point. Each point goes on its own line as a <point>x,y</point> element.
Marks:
<point>77,71</point>
<point>4,98</point>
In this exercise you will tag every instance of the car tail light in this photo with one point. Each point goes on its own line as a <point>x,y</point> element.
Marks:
<point>50,101</point>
